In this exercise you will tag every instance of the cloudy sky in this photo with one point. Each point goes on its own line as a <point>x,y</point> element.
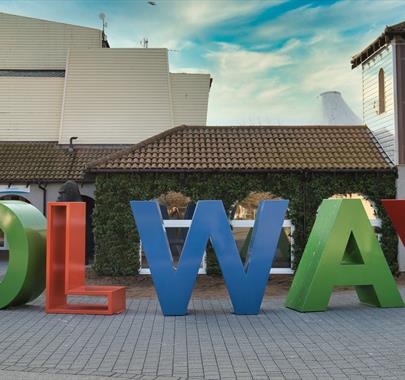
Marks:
<point>269,59</point>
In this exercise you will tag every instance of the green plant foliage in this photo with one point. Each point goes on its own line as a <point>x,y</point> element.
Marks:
<point>116,237</point>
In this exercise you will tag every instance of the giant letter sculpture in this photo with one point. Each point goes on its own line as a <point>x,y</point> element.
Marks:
<point>342,250</point>
<point>65,269</point>
<point>395,209</point>
<point>25,230</point>
<point>246,284</point>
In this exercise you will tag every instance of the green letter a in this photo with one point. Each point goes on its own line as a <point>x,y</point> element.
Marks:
<point>342,250</point>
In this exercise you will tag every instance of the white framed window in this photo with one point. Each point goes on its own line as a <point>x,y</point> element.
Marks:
<point>3,241</point>
<point>14,193</point>
<point>284,257</point>
<point>282,263</point>
<point>176,230</point>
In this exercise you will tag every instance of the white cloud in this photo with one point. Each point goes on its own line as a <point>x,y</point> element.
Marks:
<point>242,91</point>
<point>321,41</point>
<point>191,70</point>
<point>231,58</point>
<point>246,86</point>
<point>273,93</point>
<point>173,24</point>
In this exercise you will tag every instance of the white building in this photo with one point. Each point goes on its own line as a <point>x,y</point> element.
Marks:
<point>61,84</point>
<point>383,81</point>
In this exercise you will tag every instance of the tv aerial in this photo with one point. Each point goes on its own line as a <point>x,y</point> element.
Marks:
<point>144,42</point>
<point>102,16</point>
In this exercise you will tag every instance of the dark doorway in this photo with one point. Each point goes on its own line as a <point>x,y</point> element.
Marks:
<point>89,228</point>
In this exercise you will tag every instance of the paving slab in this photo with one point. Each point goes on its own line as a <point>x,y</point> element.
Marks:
<point>349,340</point>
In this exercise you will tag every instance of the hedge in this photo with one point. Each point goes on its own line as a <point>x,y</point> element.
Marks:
<point>116,237</point>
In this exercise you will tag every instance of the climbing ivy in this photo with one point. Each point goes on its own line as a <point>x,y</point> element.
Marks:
<point>116,237</point>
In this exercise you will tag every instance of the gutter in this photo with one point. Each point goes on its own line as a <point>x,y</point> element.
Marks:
<point>44,197</point>
<point>371,170</point>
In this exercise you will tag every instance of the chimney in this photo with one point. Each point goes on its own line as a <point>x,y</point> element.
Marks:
<point>335,111</point>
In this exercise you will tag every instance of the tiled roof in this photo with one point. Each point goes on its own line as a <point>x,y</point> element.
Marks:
<point>397,30</point>
<point>46,161</point>
<point>254,148</point>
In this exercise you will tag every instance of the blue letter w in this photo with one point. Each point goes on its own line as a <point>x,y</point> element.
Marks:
<point>246,283</point>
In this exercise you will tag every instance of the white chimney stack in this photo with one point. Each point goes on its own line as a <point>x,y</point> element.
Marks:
<point>335,111</point>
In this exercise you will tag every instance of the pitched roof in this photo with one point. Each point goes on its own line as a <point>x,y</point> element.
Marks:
<point>254,148</point>
<point>46,161</point>
<point>43,21</point>
<point>397,30</point>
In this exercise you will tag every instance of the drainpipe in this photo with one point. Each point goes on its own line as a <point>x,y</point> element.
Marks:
<point>71,147</point>
<point>72,153</point>
<point>305,196</point>
<point>44,197</point>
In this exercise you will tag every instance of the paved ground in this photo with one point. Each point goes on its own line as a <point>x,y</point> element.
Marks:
<point>348,341</point>
<point>206,286</point>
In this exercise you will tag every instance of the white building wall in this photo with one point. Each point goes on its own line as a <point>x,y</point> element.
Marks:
<point>190,98</point>
<point>30,108</point>
<point>108,96</point>
<point>382,125</point>
<point>28,43</point>
<point>35,194</point>
<point>116,96</point>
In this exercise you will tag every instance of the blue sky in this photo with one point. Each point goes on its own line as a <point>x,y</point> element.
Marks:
<point>269,59</point>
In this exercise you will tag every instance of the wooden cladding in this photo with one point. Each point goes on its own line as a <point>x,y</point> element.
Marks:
<point>400,101</point>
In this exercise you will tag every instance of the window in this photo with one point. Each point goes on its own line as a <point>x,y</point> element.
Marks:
<point>381,91</point>
<point>243,215</point>
<point>177,211</point>
<point>9,197</point>
<point>4,248</point>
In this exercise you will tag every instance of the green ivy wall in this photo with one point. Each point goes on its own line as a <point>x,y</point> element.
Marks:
<point>116,238</point>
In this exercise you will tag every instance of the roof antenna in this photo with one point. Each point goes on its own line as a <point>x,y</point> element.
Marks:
<point>102,16</point>
<point>144,43</point>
